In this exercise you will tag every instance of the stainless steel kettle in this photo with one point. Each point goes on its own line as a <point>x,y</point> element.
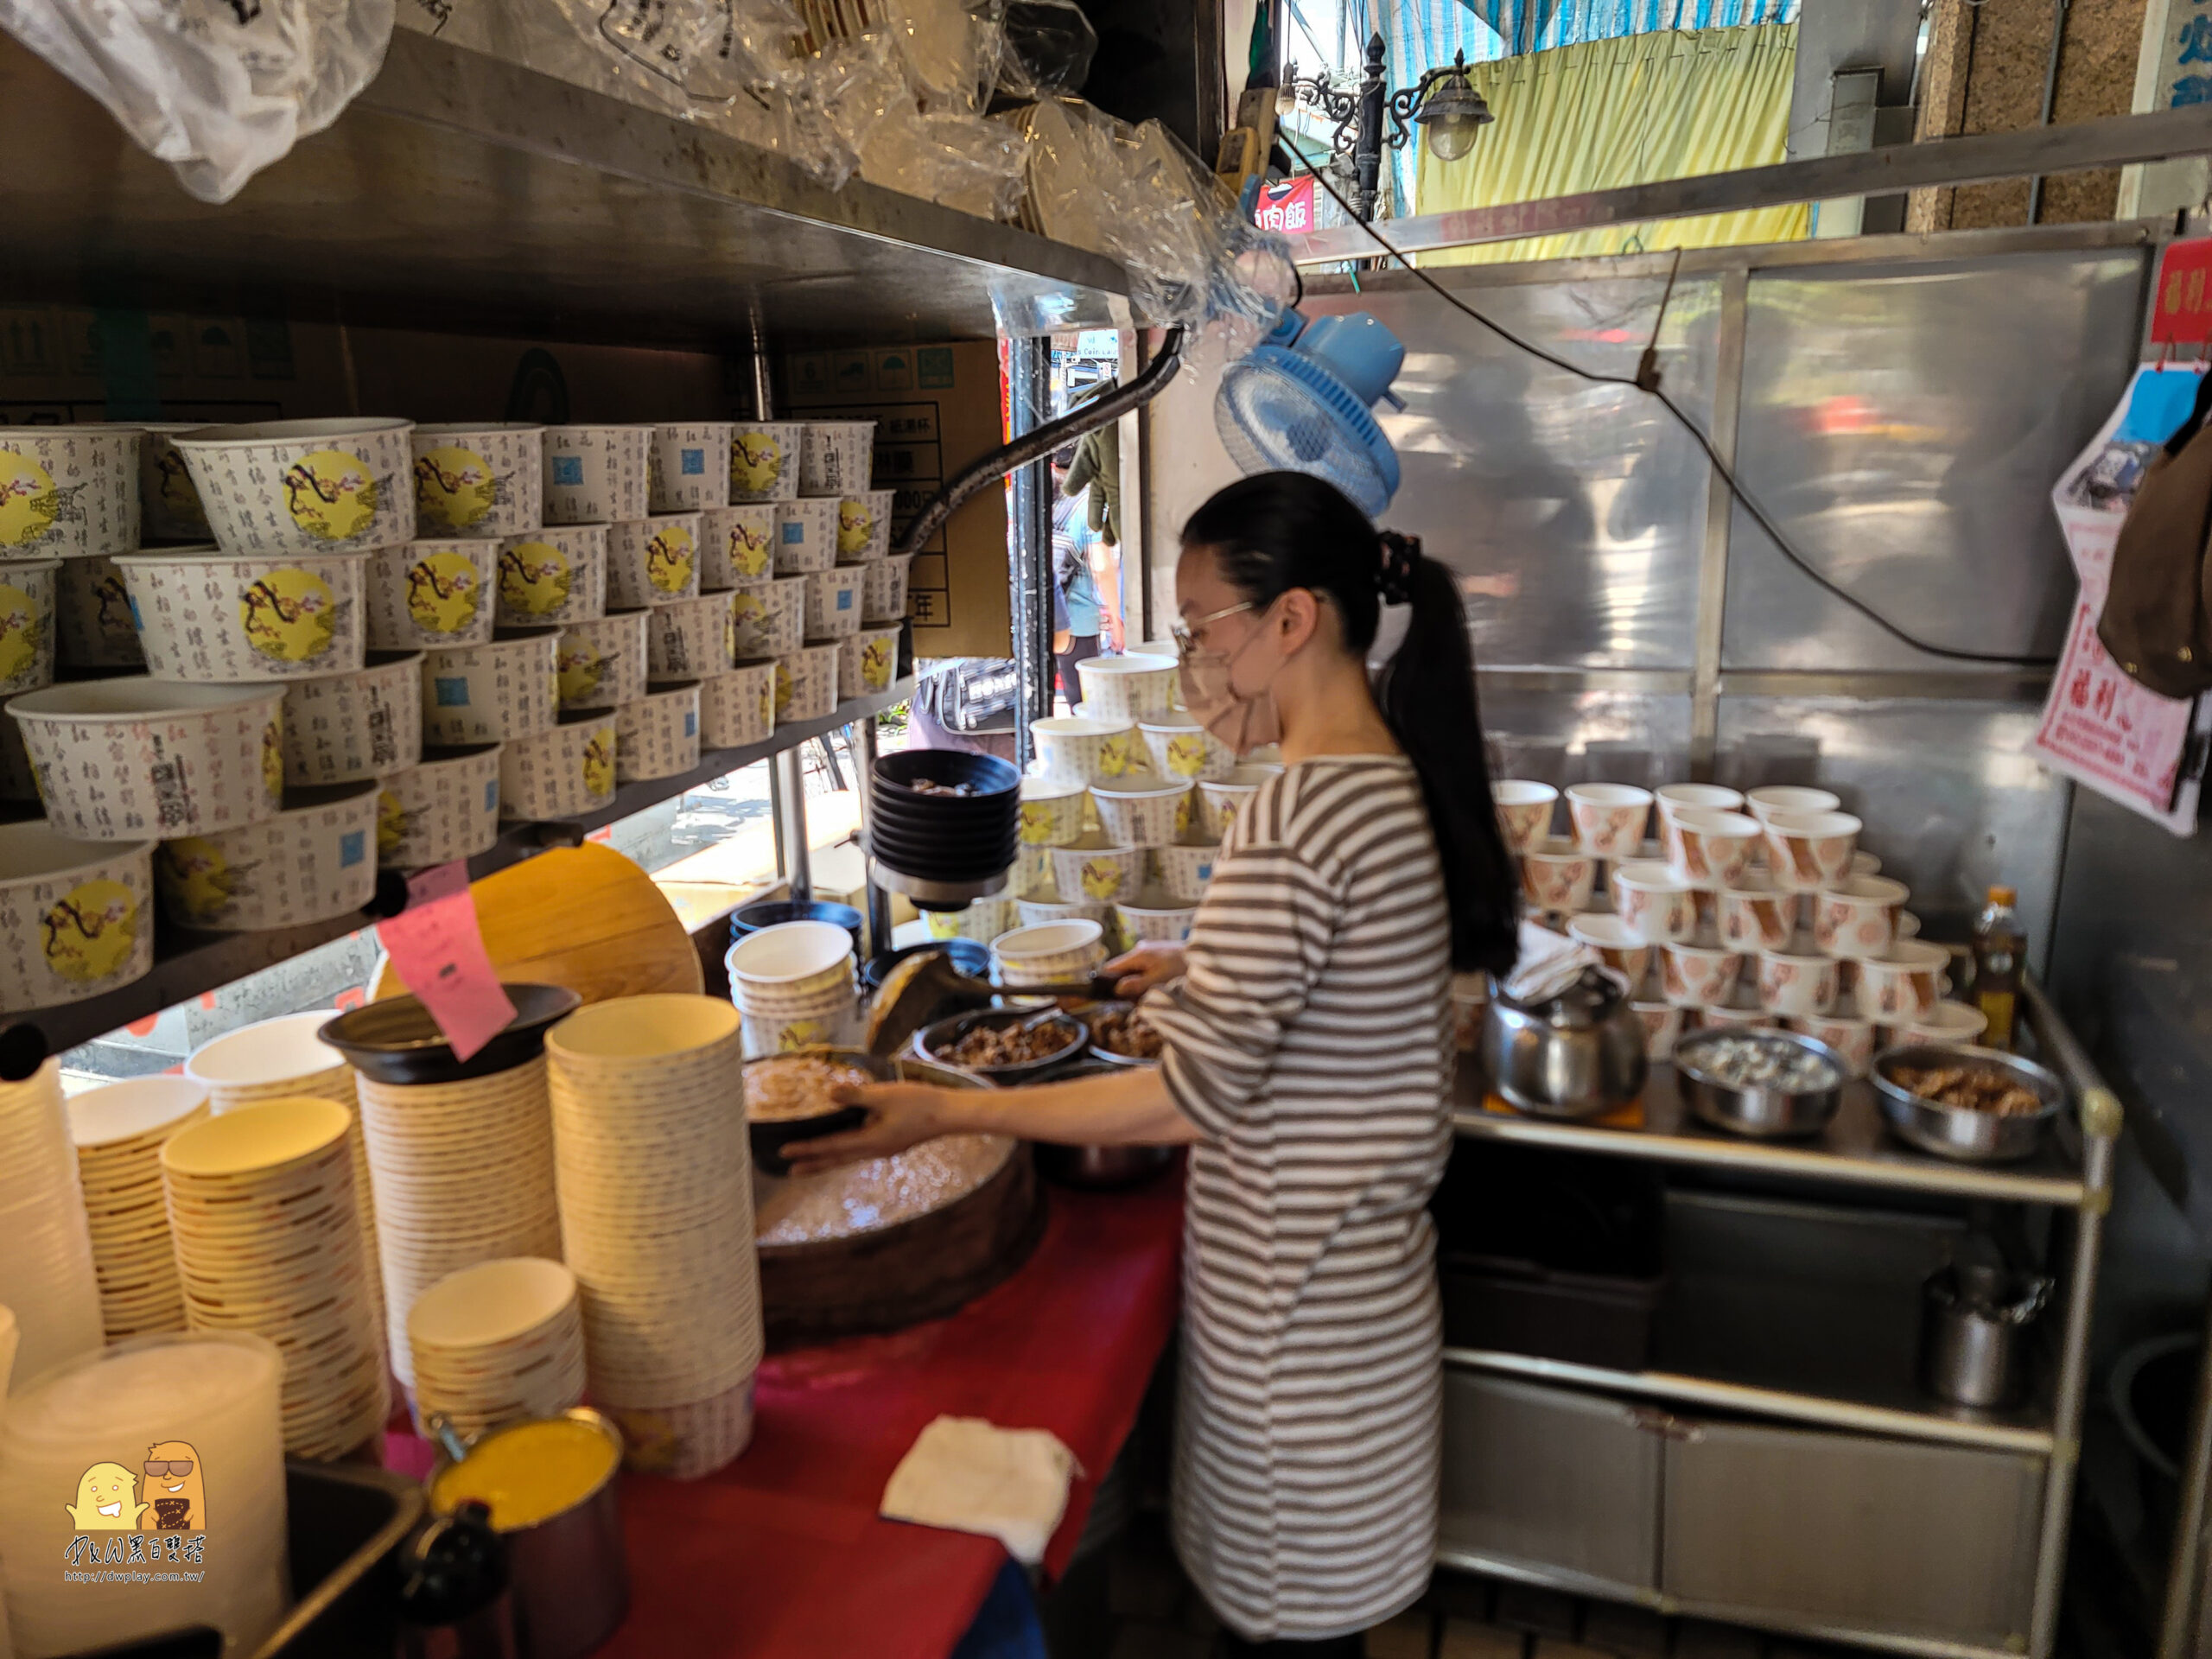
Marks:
<point>1577,1054</point>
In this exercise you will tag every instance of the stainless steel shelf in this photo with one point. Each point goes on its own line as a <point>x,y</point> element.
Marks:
<point>187,963</point>
<point>2004,1433</point>
<point>463,192</point>
<point>1855,1148</point>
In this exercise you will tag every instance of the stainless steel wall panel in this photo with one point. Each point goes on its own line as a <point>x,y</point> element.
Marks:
<point>1587,736</point>
<point>1573,512</point>
<point>1903,426</point>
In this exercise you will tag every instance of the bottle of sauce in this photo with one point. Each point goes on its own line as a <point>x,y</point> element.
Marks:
<point>1998,945</point>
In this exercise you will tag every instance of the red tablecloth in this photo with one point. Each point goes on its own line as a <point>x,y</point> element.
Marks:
<point>782,1552</point>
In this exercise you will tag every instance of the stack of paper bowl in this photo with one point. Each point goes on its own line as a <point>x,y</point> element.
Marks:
<point>78,1438</point>
<point>119,1131</point>
<point>312,862</point>
<point>497,1342</point>
<point>262,1205</point>
<point>47,1271</point>
<point>1126,688</point>
<point>794,984</point>
<point>460,1153</point>
<point>446,808</point>
<point>656,1183</point>
<point>74,919</point>
<point>285,1059</point>
<point>1050,953</point>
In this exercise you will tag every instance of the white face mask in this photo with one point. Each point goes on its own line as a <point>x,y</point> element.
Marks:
<point>1243,720</point>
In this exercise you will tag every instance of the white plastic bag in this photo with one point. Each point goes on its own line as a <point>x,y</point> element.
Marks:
<point>217,88</point>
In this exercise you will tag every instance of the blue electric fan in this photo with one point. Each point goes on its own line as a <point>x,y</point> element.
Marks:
<point>1303,401</point>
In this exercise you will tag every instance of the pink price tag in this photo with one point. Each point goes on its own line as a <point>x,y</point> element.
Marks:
<point>436,948</point>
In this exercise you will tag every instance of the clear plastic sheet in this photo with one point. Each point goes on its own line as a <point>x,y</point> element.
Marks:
<point>217,88</point>
<point>1048,51</point>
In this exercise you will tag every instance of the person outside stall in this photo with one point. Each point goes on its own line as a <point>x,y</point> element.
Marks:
<point>1075,589</point>
<point>1306,1057</point>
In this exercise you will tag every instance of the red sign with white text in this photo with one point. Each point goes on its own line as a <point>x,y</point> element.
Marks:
<point>1287,207</point>
<point>2182,313</point>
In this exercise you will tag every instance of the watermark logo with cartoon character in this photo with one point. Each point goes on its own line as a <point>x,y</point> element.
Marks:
<point>154,1517</point>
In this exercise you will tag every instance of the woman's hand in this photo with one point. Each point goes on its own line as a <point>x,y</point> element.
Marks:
<point>1148,965</point>
<point>900,1115</point>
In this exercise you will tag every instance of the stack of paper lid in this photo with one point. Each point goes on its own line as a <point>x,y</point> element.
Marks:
<point>498,1343</point>
<point>75,1498</point>
<point>283,1059</point>
<point>119,1131</point>
<point>268,1239</point>
<point>655,1187</point>
<point>46,1248</point>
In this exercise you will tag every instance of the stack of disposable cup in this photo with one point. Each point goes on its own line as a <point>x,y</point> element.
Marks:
<point>794,984</point>
<point>119,1131</point>
<point>262,1206</point>
<point>656,1183</point>
<point>282,1059</point>
<point>46,1247</point>
<point>498,1343</point>
<point>463,1174</point>
<point>208,1401</point>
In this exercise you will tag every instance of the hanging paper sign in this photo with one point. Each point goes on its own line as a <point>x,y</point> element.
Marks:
<point>1287,206</point>
<point>436,948</point>
<point>2181,313</point>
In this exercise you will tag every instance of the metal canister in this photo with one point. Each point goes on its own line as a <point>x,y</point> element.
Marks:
<point>569,1579</point>
<point>1974,1346</point>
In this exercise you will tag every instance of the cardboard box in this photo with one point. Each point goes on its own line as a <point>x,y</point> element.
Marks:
<point>937,407</point>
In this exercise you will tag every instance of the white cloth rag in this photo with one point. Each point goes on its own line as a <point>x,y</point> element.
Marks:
<point>968,1475</point>
<point>1549,964</point>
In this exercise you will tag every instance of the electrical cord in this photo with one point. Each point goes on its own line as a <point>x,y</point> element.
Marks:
<point>1646,380</point>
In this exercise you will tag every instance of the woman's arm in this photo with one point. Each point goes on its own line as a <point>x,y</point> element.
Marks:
<point>1130,1109</point>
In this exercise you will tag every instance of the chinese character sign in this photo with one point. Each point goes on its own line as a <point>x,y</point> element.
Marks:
<point>2182,312</point>
<point>1287,207</point>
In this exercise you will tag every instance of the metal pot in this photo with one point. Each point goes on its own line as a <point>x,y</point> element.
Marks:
<point>1973,1333</point>
<point>1577,1054</point>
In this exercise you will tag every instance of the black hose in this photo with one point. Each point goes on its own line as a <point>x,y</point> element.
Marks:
<point>1036,444</point>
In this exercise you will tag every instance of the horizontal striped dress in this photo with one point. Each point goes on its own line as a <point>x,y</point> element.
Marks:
<point>1309,1039</point>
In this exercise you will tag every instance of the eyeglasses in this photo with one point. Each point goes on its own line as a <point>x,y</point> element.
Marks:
<point>181,1468</point>
<point>1184,634</point>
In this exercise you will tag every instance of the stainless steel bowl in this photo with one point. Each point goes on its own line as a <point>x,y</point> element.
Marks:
<point>1960,1132</point>
<point>1099,1169</point>
<point>1766,1113</point>
<point>935,1042</point>
<point>1099,1052</point>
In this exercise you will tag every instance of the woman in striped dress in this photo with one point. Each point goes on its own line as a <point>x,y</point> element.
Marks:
<point>1306,1060</point>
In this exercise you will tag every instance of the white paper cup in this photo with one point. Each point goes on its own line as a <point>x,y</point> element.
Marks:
<point>867,662</point>
<point>864,526</point>
<point>652,561</point>
<point>690,638</point>
<point>883,596</point>
<point>738,708</point>
<point>339,728</point>
<point>169,501</point>
<point>1902,985</point>
<point>596,474</point>
<point>304,487</point>
<point>1672,798</point>
<point>1557,876</point>
<point>1738,1015</point>
<point>1852,1039</point>
<point>1811,850</point>
<point>1662,1024</point>
<point>561,773</point>
<point>602,663</point>
<point>1796,985</point>
<point>1052,811</point>
<point>737,545</point>
<point>657,736</point>
<point>1524,812</point>
<point>74,919</point>
<point>446,808</point>
<point>1098,875</point>
<point>1712,849</point>
<point>806,536</point>
<point>92,622</point>
<point>68,491</point>
<point>1181,747</point>
<point>763,460</point>
<point>833,603</point>
<point>1126,688</point>
<point>485,480</point>
<point>1789,798</point>
<point>1184,871</point>
<point>1049,953</point>
<point>836,457</point>
<point>213,617</point>
<point>1658,904</point>
<point>1139,811</point>
<point>1086,750</point>
<point>1698,976</point>
<point>685,470</point>
<point>1857,916</point>
<point>1618,946</point>
<point>313,860</point>
<point>129,759</point>
<point>1754,917</point>
<point>1609,818</point>
<point>432,593</point>
<point>489,693</point>
<point>553,575</point>
<point>28,603</point>
<point>806,685</point>
<point>782,966</point>
<point>1220,800</point>
<point>1947,1022</point>
<point>1153,916</point>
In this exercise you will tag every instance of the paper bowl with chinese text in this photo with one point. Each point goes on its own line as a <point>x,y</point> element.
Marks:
<point>552,577</point>
<point>736,544</point>
<point>754,631</point>
<point>213,617</point>
<point>738,708</point>
<point>75,918</point>
<point>1221,800</point>
<point>1181,747</point>
<point>1154,915</point>
<point>867,662</point>
<point>806,685</point>
<point>1768,799</point>
<point>833,603</point>
<point>503,689</point>
<point>1126,688</point>
<point>68,492</point>
<point>29,601</point>
<point>339,728</point>
<point>652,561</point>
<point>1086,750</point>
<point>689,637</point>
<point>883,596</point>
<point>1091,872</point>
<point>277,488</point>
<point>657,736</point>
<point>806,536</point>
<point>684,469</point>
<point>447,807</point>
<point>864,526</point>
<point>1050,953</point>
<point>1184,871</point>
<point>313,860</point>
<point>764,461</point>
<point>432,593</point>
<point>602,663</point>
<point>129,759</point>
<point>93,627</point>
<point>1052,810</point>
<point>835,457</point>
<point>563,772</point>
<point>486,481</point>
<point>1139,810</point>
<point>596,474</point>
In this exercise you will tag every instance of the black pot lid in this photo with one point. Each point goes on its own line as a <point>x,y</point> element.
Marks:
<point>398,1041</point>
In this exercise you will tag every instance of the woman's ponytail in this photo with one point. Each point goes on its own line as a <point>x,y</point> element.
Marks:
<point>1279,530</point>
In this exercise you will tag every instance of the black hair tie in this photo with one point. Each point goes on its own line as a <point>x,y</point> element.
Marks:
<point>1394,574</point>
